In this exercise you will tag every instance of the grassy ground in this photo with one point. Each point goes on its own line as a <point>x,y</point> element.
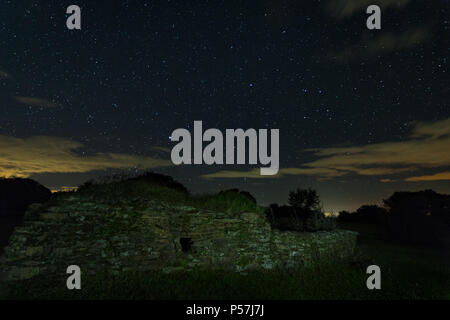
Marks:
<point>407,273</point>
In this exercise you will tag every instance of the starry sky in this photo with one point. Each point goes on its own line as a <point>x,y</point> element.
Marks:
<point>361,113</point>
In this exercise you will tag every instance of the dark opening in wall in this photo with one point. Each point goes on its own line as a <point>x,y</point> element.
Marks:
<point>186,244</point>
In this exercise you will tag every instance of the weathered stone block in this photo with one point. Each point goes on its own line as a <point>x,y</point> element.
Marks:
<point>34,251</point>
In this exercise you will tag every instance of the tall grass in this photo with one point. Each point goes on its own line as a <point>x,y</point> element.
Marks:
<point>332,282</point>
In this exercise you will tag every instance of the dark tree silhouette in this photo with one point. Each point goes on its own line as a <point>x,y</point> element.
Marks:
<point>304,213</point>
<point>419,217</point>
<point>345,216</point>
<point>305,199</point>
<point>371,214</point>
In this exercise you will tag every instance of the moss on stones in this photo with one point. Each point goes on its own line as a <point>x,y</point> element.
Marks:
<point>144,234</point>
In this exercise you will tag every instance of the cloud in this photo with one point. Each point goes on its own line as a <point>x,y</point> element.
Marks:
<point>43,154</point>
<point>435,177</point>
<point>383,44</point>
<point>163,149</point>
<point>5,75</point>
<point>35,102</point>
<point>229,174</point>
<point>426,147</point>
<point>255,173</point>
<point>346,8</point>
<point>325,172</point>
<point>433,130</point>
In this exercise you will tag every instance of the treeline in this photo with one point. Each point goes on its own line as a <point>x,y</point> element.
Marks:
<point>412,217</point>
<point>372,214</point>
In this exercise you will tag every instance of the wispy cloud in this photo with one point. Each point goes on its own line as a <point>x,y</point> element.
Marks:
<point>230,174</point>
<point>427,147</point>
<point>255,173</point>
<point>163,149</point>
<point>5,75</point>
<point>346,8</point>
<point>42,154</point>
<point>383,44</point>
<point>35,102</point>
<point>435,177</point>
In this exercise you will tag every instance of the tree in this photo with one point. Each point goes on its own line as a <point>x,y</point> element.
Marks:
<point>304,213</point>
<point>305,200</point>
<point>372,214</point>
<point>344,216</point>
<point>419,217</point>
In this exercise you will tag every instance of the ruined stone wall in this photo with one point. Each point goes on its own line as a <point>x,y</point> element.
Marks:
<point>154,236</point>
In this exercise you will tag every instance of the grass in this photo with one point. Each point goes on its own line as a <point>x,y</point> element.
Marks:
<point>204,284</point>
<point>228,202</point>
<point>336,282</point>
<point>406,273</point>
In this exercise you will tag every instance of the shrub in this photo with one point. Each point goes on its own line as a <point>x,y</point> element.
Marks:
<point>329,223</point>
<point>316,221</point>
<point>303,214</point>
<point>284,218</point>
<point>371,214</point>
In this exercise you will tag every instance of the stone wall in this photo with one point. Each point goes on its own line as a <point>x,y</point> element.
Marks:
<point>149,235</point>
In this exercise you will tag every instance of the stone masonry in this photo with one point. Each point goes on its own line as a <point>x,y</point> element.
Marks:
<point>146,235</point>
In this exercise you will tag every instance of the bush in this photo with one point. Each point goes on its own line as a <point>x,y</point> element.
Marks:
<point>285,218</point>
<point>371,214</point>
<point>304,213</point>
<point>316,221</point>
<point>329,223</point>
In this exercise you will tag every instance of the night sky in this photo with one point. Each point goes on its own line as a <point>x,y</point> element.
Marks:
<point>361,113</point>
